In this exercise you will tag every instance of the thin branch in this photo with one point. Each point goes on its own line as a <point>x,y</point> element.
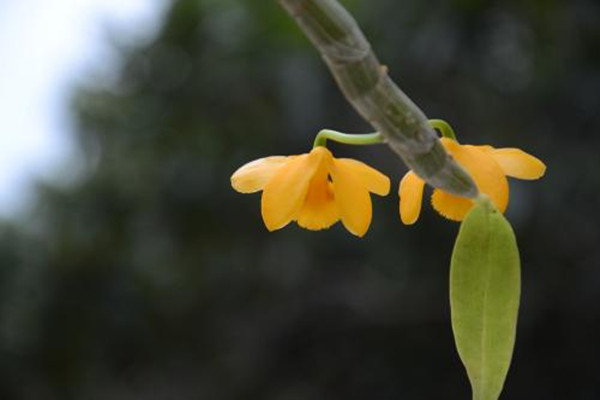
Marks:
<point>367,86</point>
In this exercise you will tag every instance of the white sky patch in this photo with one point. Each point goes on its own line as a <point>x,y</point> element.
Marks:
<point>45,47</point>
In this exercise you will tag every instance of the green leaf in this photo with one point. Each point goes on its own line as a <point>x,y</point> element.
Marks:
<point>485,285</point>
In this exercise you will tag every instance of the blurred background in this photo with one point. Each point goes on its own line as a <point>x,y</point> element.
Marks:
<point>129,268</point>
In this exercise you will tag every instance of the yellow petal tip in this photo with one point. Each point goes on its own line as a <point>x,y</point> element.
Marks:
<point>408,221</point>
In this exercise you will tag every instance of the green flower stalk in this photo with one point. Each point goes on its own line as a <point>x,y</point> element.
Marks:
<point>345,138</point>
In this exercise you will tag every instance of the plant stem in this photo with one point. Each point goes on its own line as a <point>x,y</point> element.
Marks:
<point>360,139</point>
<point>366,85</point>
<point>444,128</point>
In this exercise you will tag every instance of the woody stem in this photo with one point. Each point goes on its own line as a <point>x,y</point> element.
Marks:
<point>367,86</point>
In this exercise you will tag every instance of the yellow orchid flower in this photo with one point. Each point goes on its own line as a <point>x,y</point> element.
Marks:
<point>488,167</point>
<point>314,189</point>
